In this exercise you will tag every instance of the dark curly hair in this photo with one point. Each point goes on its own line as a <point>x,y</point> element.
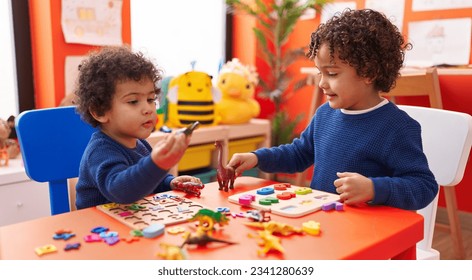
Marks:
<point>366,40</point>
<point>102,70</point>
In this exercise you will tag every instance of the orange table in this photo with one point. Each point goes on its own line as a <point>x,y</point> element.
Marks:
<point>370,232</point>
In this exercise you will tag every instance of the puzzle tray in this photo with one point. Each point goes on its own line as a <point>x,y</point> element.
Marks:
<point>162,208</point>
<point>300,205</point>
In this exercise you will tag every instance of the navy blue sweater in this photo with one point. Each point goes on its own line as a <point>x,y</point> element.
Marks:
<point>383,144</point>
<point>110,172</point>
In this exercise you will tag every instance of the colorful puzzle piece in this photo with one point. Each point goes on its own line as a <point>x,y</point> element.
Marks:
<point>311,227</point>
<point>284,199</point>
<point>153,230</point>
<point>338,206</point>
<point>46,249</point>
<point>72,246</point>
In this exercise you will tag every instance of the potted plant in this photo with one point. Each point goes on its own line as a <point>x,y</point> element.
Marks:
<point>276,21</point>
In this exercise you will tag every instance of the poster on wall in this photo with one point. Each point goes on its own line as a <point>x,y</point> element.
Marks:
<point>437,42</point>
<point>393,10</point>
<point>92,22</point>
<point>431,5</point>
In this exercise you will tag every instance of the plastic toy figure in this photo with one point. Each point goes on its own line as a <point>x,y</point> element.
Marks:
<point>190,188</point>
<point>269,242</point>
<point>171,252</point>
<point>201,239</point>
<point>276,227</point>
<point>224,175</point>
<point>258,215</point>
<point>207,219</point>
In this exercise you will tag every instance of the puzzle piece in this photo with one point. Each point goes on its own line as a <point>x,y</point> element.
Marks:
<point>46,249</point>
<point>153,230</point>
<point>338,206</point>
<point>72,246</point>
<point>311,227</point>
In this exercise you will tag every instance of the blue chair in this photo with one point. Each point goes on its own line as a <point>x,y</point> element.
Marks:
<point>52,142</point>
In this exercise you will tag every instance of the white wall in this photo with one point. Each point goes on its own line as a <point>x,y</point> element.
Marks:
<point>176,32</point>
<point>8,85</point>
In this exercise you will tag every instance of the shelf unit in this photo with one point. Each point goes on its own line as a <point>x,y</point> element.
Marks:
<point>226,133</point>
<point>21,198</point>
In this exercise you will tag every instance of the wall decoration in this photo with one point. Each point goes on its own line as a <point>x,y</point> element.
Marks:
<point>430,5</point>
<point>92,22</point>
<point>438,42</point>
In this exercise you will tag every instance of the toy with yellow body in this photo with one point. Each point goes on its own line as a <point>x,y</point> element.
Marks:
<point>237,84</point>
<point>192,97</point>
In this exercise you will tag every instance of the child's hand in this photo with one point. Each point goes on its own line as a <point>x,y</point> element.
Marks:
<point>242,162</point>
<point>183,179</point>
<point>168,152</point>
<point>354,188</point>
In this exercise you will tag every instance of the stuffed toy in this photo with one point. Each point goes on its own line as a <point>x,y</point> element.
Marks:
<point>237,84</point>
<point>9,148</point>
<point>191,97</point>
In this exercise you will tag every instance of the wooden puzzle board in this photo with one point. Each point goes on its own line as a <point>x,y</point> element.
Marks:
<point>300,205</point>
<point>161,208</point>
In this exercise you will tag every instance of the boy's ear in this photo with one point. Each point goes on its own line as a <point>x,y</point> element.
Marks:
<point>101,119</point>
<point>369,81</point>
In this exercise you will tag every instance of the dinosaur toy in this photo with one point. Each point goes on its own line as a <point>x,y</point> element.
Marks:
<point>171,252</point>
<point>257,215</point>
<point>190,188</point>
<point>224,175</point>
<point>201,239</point>
<point>237,84</point>
<point>207,219</point>
<point>269,242</point>
<point>276,228</point>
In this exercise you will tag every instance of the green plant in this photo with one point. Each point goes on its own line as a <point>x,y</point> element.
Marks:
<point>276,21</point>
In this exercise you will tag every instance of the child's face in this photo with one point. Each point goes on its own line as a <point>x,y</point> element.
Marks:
<point>343,88</point>
<point>133,112</point>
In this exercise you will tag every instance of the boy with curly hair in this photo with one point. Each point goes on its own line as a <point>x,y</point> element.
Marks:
<point>117,93</point>
<point>362,146</point>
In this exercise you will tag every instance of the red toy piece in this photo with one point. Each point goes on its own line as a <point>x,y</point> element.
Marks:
<point>224,175</point>
<point>190,188</point>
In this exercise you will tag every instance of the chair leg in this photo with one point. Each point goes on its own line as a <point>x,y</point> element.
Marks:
<point>454,223</point>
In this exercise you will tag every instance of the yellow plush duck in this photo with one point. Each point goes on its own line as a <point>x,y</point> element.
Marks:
<point>237,84</point>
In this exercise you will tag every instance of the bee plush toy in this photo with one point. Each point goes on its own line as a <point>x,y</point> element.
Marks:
<point>191,97</point>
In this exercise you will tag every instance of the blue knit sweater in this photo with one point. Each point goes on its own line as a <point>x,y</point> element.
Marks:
<point>383,144</point>
<point>110,172</point>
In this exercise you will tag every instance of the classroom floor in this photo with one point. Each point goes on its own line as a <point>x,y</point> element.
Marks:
<point>442,240</point>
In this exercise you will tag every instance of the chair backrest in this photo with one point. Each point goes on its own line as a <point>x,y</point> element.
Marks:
<point>52,142</point>
<point>447,140</point>
<point>418,83</point>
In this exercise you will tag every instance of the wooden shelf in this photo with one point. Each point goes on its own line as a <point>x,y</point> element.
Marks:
<point>226,133</point>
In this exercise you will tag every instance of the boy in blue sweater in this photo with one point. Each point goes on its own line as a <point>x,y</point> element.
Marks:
<point>362,146</point>
<point>117,92</point>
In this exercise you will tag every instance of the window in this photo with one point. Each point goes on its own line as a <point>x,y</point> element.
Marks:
<point>177,32</point>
